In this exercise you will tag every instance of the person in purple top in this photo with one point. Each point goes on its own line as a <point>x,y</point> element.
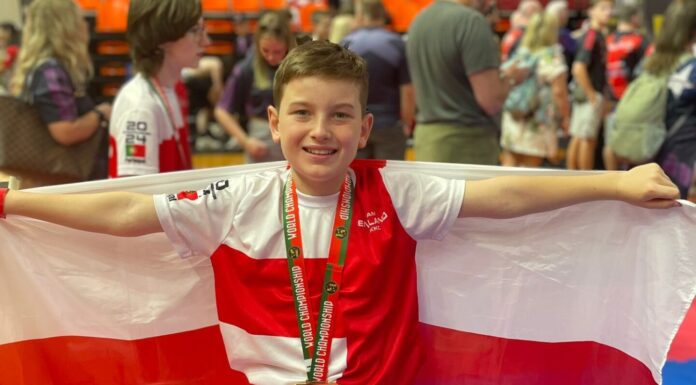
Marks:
<point>674,52</point>
<point>390,99</point>
<point>249,90</point>
<point>570,46</point>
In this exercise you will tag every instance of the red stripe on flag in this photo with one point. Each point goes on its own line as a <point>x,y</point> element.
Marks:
<point>684,345</point>
<point>193,358</point>
<point>456,357</point>
<point>198,358</point>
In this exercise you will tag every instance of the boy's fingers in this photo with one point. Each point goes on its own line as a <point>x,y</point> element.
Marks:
<point>661,204</point>
<point>669,192</point>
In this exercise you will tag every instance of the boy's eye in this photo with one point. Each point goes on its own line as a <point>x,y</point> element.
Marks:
<point>342,115</point>
<point>300,112</point>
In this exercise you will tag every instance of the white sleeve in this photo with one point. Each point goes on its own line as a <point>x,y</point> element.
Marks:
<point>137,141</point>
<point>427,205</point>
<point>196,222</point>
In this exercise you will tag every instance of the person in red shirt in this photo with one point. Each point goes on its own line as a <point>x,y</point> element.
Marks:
<point>9,43</point>
<point>625,49</point>
<point>518,22</point>
<point>149,128</point>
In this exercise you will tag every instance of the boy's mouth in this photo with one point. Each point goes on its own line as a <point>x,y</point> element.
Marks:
<point>318,151</point>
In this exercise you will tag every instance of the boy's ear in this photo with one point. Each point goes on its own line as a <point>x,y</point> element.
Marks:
<point>365,129</point>
<point>273,123</point>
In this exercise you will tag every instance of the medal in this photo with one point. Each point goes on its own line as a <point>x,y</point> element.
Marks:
<point>317,383</point>
<point>157,87</point>
<point>316,335</point>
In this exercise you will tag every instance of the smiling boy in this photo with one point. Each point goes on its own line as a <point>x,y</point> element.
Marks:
<point>287,313</point>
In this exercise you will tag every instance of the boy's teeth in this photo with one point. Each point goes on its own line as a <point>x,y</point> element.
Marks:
<point>319,152</point>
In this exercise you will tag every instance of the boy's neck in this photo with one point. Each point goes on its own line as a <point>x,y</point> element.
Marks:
<point>167,75</point>
<point>317,189</point>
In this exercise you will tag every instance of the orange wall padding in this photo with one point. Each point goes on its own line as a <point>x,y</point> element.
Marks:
<point>112,16</point>
<point>402,12</point>
<point>306,15</point>
<point>88,5</point>
<point>215,5</point>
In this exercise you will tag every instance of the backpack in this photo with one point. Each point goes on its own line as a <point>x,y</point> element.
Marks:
<point>523,100</point>
<point>639,124</point>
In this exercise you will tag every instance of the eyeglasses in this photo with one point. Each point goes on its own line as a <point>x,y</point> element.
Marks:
<point>198,30</point>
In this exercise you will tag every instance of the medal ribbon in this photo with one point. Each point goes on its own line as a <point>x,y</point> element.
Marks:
<point>316,347</point>
<point>157,87</point>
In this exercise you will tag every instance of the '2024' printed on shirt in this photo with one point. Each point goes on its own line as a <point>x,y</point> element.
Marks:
<point>136,142</point>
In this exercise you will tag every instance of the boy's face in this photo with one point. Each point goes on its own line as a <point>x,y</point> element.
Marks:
<point>601,13</point>
<point>189,49</point>
<point>320,126</point>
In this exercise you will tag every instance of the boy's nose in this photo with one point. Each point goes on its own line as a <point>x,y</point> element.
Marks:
<point>320,129</point>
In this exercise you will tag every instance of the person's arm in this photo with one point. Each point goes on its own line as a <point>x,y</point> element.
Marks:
<point>490,90</point>
<point>491,86</point>
<point>69,132</point>
<point>115,213</point>
<point>408,107</point>
<point>480,58</point>
<point>559,89</point>
<point>512,196</point>
<point>230,123</point>
<point>582,78</point>
<point>231,104</point>
<point>252,146</point>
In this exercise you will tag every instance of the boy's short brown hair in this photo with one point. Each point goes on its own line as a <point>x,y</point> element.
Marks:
<point>322,59</point>
<point>152,23</point>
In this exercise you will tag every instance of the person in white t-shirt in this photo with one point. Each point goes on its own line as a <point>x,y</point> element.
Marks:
<point>250,228</point>
<point>149,125</point>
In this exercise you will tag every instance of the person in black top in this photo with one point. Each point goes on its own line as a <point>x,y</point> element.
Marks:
<point>589,73</point>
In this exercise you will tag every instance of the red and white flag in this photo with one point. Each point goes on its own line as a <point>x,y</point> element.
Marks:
<point>589,294</point>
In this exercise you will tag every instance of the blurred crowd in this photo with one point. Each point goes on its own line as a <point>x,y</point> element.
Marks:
<point>593,93</point>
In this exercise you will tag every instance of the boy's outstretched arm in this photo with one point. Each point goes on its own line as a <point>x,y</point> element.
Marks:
<point>511,196</point>
<point>115,213</point>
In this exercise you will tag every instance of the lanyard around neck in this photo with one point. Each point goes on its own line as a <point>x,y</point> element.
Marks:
<point>316,347</point>
<point>159,91</point>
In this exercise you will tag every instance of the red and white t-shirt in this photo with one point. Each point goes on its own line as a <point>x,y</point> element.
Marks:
<point>142,139</point>
<point>238,223</point>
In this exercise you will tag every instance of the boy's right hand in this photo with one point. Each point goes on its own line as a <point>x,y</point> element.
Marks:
<point>647,186</point>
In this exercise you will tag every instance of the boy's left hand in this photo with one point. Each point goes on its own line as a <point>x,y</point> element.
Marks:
<point>647,186</point>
